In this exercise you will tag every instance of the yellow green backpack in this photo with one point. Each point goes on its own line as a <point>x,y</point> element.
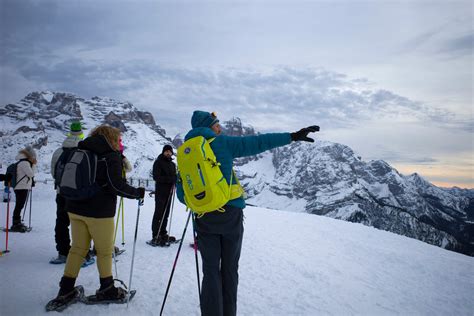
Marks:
<point>205,188</point>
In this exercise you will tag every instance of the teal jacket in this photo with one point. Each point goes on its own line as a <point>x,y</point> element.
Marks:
<point>226,148</point>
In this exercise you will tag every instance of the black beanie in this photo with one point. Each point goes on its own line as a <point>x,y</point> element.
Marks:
<point>167,147</point>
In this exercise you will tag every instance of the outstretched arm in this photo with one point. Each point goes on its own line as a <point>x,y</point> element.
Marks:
<point>253,145</point>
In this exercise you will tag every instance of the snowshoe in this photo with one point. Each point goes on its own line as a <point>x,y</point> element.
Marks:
<point>19,228</point>
<point>60,259</point>
<point>60,303</point>
<point>110,295</point>
<point>88,261</point>
<point>176,241</point>
<point>118,251</point>
<point>168,238</point>
<point>156,242</point>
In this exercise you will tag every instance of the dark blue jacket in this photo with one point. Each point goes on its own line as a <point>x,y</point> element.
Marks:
<point>226,148</point>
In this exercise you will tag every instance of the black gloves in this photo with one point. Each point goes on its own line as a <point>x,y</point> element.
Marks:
<point>302,134</point>
<point>141,192</point>
<point>33,183</point>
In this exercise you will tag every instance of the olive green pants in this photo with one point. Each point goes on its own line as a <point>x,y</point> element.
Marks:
<point>83,230</point>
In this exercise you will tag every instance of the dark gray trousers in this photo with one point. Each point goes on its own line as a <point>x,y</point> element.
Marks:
<point>220,242</point>
<point>61,230</point>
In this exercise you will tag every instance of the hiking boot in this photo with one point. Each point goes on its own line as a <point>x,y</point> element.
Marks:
<point>20,228</point>
<point>62,301</point>
<point>108,292</point>
<point>167,238</point>
<point>58,260</point>
<point>67,295</point>
<point>159,242</point>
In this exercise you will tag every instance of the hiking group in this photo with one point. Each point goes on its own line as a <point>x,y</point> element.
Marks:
<point>204,181</point>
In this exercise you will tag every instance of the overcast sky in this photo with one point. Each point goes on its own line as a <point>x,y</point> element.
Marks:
<point>391,79</point>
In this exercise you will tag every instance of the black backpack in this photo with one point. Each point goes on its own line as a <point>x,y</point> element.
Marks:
<point>75,174</point>
<point>13,171</point>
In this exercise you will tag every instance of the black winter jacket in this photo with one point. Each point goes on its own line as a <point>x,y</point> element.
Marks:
<point>109,177</point>
<point>164,173</point>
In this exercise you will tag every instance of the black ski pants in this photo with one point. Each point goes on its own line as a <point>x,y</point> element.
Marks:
<point>220,243</point>
<point>162,211</point>
<point>20,196</point>
<point>61,230</point>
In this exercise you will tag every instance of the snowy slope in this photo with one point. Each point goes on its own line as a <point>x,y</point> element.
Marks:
<point>291,264</point>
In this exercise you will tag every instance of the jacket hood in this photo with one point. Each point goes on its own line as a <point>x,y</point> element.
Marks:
<point>203,119</point>
<point>27,153</point>
<point>20,156</point>
<point>97,144</point>
<point>206,132</point>
<point>71,141</point>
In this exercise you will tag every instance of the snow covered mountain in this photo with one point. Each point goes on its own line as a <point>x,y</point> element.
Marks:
<point>329,179</point>
<point>322,178</point>
<point>43,118</point>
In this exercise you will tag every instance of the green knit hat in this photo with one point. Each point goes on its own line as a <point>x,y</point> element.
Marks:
<point>76,130</point>
<point>76,127</point>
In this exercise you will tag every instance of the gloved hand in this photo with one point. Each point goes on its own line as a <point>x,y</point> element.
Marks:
<point>33,183</point>
<point>302,134</point>
<point>141,192</point>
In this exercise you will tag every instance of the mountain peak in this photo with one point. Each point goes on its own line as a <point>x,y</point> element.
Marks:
<point>42,119</point>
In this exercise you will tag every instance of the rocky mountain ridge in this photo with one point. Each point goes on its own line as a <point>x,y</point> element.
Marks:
<point>42,119</point>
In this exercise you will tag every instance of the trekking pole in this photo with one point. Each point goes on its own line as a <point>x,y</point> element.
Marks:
<point>116,223</point>
<point>115,262</point>
<point>115,236</point>
<point>172,209</point>
<point>8,216</point>
<point>25,206</point>
<point>31,203</point>
<point>123,221</point>
<point>175,261</point>
<point>140,203</point>
<point>196,256</point>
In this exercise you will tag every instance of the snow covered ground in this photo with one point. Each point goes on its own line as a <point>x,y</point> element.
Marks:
<point>291,264</point>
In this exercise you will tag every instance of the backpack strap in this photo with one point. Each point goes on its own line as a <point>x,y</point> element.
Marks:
<point>235,190</point>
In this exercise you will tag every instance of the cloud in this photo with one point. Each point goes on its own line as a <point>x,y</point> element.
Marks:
<point>461,45</point>
<point>171,58</point>
<point>290,95</point>
<point>452,39</point>
<point>14,86</point>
